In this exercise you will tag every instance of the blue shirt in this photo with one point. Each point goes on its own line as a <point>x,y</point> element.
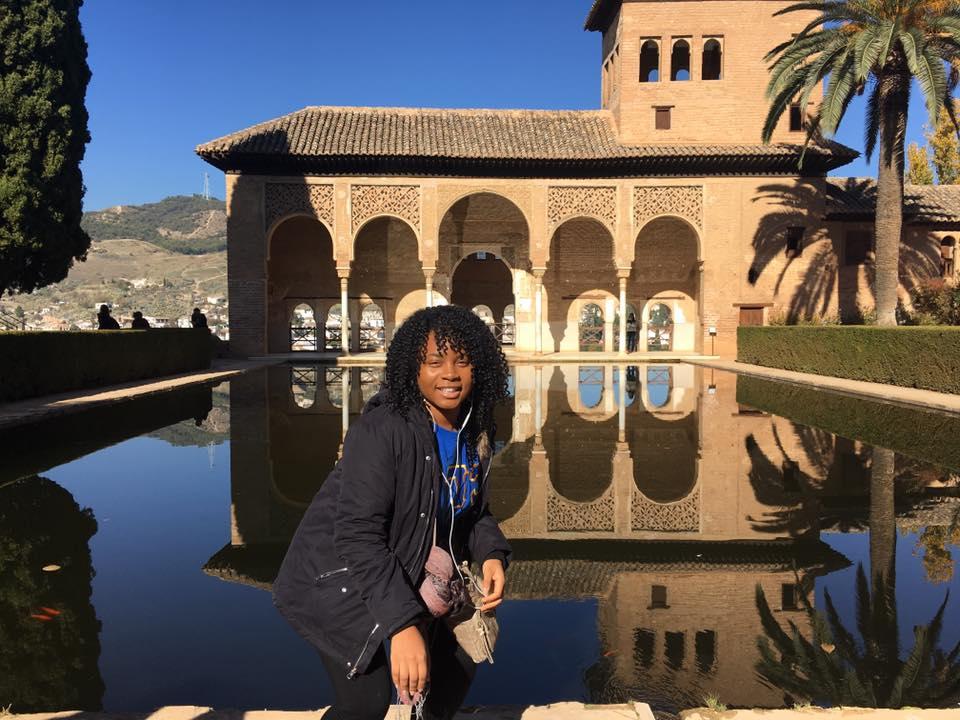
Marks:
<point>462,472</point>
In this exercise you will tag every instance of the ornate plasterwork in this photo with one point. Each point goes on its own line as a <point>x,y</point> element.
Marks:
<point>281,199</point>
<point>402,201</point>
<point>596,516</point>
<point>680,516</point>
<point>565,202</point>
<point>650,201</point>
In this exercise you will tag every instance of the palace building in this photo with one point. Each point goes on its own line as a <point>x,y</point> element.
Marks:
<point>557,226</point>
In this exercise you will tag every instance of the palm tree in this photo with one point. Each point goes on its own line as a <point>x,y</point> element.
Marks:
<point>834,668</point>
<point>878,47</point>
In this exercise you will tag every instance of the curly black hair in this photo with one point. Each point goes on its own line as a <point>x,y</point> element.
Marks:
<point>459,329</point>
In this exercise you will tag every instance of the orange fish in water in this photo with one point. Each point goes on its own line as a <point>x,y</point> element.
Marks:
<point>50,611</point>
<point>44,618</point>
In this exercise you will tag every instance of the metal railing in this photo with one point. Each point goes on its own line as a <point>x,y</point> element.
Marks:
<point>591,337</point>
<point>331,337</point>
<point>371,337</point>
<point>660,337</point>
<point>505,333</point>
<point>303,338</point>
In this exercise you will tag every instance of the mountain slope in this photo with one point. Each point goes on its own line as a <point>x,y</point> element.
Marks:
<point>185,224</point>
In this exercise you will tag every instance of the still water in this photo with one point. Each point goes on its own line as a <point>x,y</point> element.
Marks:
<point>645,505</point>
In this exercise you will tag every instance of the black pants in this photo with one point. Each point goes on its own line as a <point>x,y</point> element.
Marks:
<point>367,696</point>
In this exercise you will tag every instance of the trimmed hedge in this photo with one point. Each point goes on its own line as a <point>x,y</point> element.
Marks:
<point>926,357</point>
<point>928,436</point>
<point>42,363</point>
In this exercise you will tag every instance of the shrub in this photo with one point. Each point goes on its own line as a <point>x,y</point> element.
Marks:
<point>920,357</point>
<point>41,363</point>
<point>936,302</point>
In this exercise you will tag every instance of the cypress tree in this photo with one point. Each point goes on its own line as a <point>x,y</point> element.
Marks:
<point>43,134</point>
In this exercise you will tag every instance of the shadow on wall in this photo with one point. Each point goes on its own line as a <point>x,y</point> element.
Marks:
<point>823,282</point>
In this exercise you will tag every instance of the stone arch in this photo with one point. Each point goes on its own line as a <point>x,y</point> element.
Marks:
<point>580,471</point>
<point>581,268</point>
<point>666,268</point>
<point>300,267</point>
<point>385,268</point>
<point>483,279</point>
<point>665,454</point>
<point>482,222</point>
<point>711,63</point>
<point>500,193</point>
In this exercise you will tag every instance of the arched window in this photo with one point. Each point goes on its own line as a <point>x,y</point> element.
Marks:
<point>680,61</point>
<point>712,63</point>
<point>303,328</point>
<point>660,328</point>
<point>649,61</point>
<point>591,327</point>
<point>509,326</point>
<point>948,248</point>
<point>590,386</point>
<point>371,327</point>
<point>332,329</point>
<point>484,313</point>
<point>333,380</point>
<point>659,384</point>
<point>303,385</point>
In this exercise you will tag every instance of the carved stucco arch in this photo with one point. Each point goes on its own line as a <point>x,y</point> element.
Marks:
<point>667,216</point>
<point>680,202</point>
<point>565,515</point>
<point>282,201</point>
<point>400,202</point>
<point>610,234</point>
<point>389,216</point>
<point>568,202</point>
<point>453,195</point>
<point>682,515</point>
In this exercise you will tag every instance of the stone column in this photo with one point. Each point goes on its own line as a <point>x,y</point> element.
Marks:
<point>538,405</point>
<point>345,404</point>
<point>428,278</point>
<point>538,309</point>
<point>622,404</point>
<point>344,311</point>
<point>623,317</point>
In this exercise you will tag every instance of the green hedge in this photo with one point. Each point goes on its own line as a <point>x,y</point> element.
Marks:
<point>929,436</point>
<point>41,363</point>
<point>921,357</point>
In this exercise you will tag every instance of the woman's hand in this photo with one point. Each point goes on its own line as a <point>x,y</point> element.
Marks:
<point>408,660</point>
<point>493,582</point>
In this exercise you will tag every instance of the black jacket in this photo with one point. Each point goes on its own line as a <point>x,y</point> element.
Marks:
<point>350,576</point>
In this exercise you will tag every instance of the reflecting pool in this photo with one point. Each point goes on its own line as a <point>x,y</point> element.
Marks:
<point>646,504</point>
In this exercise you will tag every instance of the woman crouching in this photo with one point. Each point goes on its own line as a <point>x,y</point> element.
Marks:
<point>411,486</point>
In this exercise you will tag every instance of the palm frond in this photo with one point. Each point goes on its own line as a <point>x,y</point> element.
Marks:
<point>840,90</point>
<point>872,127</point>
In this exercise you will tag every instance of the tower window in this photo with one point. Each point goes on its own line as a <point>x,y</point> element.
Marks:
<point>789,599</point>
<point>662,118</point>
<point>658,597</point>
<point>948,247</point>
<point>680,61</point>
<point>649,61</point>
<point>796,118</point>
<point>794,241</point>
<point>712,63</point>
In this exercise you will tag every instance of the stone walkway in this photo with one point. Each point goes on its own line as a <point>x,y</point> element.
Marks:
<point>47,406</point>
<point>909,397</point>
<point>557,711</point>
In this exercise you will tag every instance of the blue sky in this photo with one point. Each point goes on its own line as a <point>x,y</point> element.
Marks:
<point>168,75</point>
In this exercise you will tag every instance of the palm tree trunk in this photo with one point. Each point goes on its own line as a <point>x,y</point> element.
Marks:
<point>894,96</point>
<point>883,518</point>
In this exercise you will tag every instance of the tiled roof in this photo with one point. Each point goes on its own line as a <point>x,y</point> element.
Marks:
<point>600,11</point>
<point>851,198</point>
<point>492,142</point>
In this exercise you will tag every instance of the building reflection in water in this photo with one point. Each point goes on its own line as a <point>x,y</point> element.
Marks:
<point>641,486</point>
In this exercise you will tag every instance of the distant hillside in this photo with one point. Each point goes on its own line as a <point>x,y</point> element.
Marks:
<point>186,224</point>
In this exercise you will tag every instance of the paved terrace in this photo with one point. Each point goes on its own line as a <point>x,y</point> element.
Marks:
<point>557,711</point>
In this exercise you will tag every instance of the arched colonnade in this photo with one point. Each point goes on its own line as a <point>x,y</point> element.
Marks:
<point>548,268</point>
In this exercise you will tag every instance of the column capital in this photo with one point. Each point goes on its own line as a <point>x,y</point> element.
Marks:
<point>622,274</point>
<point>429,271</point>
<point>343,272</point>
<point>538,272</point>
